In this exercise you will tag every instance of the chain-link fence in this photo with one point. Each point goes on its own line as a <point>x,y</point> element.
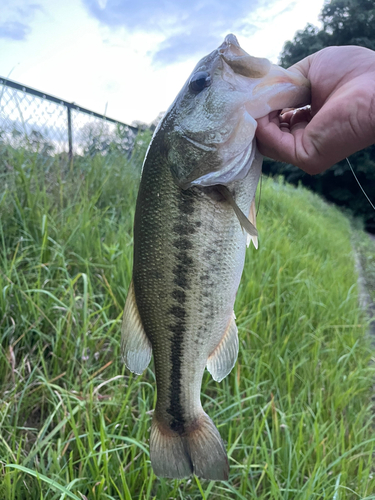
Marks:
<point>49,125</point>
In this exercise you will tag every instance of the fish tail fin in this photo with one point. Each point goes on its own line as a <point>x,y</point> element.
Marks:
<point>207,450</point>
<point>169,457</point>
<point>199,450</point>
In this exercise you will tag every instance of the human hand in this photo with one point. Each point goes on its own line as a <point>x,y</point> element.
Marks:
<point>341,119</point>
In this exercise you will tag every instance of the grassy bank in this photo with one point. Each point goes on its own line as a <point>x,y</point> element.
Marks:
<point>296,410</point>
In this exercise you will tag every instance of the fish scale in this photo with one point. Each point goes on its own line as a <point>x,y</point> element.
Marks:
<point>197,188</point>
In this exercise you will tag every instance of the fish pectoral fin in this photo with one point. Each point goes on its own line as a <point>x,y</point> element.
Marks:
<point>135,346</point>
<point>253,220</point>
<point>244,221</point>
<point>223,358</point>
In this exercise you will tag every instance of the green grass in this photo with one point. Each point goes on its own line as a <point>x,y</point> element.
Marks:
<point>295,412</point>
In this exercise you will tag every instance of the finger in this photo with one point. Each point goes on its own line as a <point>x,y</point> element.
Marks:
<point>284,127</point>
<point>303,67</point>
<point>291,146</point>
<point>271,117</point>
<point>285,110</point>
<point>285,116</point>
<point>274,142</point>
<point>292,116</point>
<point>300,125</point>
<point>300,115</point>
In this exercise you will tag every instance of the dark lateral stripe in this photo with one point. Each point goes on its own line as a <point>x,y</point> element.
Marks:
<point>181,277</point>
<point>183,244</point>
<point>179,296</point>
<point>181,272</point>
<point>175,408</point>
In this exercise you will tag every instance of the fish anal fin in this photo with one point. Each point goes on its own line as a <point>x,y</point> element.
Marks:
<point>199,450</point>
<point>223,358</point>
<point>135,346</point>
<point>253,220</point>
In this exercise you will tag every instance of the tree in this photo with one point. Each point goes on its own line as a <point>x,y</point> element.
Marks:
<point>305,42</point>
<point>345,22</point>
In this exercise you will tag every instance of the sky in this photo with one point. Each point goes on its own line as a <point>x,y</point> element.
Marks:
<point>129,59</point>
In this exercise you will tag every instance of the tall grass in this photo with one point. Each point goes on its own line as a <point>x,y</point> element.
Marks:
<point>296,411</point>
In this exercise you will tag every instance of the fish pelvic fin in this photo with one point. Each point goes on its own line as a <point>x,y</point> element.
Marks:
<point>243,220</point>
<point>223,358</point>
<point>135,346</point>
<point>199,450</point>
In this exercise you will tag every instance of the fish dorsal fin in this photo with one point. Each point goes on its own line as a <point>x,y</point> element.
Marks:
<point>135,346</point>
<point>223,358</point>
<point>244,221</point>
<point>253,220</point>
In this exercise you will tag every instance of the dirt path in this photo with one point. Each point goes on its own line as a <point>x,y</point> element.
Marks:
<point>365,301</point>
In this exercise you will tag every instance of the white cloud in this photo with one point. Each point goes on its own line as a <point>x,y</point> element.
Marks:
<point>70,53</point>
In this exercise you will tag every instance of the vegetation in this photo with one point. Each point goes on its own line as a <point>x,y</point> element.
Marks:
<point>345,22</point>
<point>296,411</point>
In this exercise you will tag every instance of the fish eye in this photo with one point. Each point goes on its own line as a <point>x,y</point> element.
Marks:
<point>199,81</point>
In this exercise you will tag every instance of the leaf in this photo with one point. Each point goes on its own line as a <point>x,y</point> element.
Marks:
<point>56,486</point>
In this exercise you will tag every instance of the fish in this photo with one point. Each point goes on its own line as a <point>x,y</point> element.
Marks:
<point>195,215</point>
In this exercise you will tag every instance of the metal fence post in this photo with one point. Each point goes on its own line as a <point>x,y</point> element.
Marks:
<point>70,137</point>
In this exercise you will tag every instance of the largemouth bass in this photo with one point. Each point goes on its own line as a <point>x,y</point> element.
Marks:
<point>190,232</point>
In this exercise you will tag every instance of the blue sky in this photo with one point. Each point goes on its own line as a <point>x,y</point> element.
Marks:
<point>130,58</point>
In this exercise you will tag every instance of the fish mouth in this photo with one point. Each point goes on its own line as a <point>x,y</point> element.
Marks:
<point>275,87</point>
<point>230,40</point>
<point>240,61</point>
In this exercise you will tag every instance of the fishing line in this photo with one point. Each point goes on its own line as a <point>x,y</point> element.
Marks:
<point>260,194</point>
<point>355,177</point>
<point>359,184</point>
